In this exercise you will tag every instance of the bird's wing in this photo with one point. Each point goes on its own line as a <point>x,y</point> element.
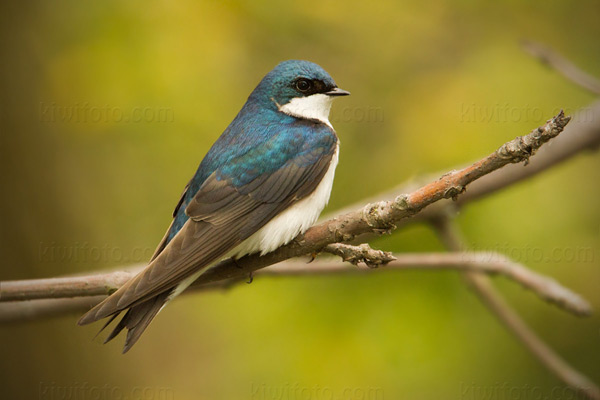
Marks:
<point>222,215</point>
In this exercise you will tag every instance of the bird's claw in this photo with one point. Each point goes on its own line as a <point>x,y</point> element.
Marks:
<point>236,263</point>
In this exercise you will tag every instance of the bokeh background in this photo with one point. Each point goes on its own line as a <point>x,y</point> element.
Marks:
<point>108,107</point>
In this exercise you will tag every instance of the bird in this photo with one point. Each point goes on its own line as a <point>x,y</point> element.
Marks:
<point>265,180</point>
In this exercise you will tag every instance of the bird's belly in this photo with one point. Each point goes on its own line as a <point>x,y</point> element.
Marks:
<point>292,221</point>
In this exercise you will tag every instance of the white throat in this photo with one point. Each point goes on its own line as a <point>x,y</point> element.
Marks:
<point>315,106</point>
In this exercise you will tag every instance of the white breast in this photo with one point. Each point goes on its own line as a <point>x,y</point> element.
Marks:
<point>292,221</point>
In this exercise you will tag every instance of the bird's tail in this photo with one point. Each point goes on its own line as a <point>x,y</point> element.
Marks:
<point>137,316</point>
<point>136,320</point>
<point>138,313</point>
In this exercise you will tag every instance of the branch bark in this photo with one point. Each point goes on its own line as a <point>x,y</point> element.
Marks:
<point>582,134</point>
<point>360,254</point>
<point>50,293</point>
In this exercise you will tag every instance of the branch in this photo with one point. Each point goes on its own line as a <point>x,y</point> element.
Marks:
<point>449,234</point>
<point>360,254</point>
<point>56,288</point>
<point>489,263</point>
<point>562,65</point>
<point>29,310</point>
<point>582,133</point>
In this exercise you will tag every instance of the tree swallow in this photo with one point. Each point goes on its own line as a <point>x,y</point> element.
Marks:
<point>264,181</point>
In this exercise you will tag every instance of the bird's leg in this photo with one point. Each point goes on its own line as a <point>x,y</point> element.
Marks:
<point>313,256</point>
<point>236,263</point>
<point>299,240</point>
<point>250,276</point>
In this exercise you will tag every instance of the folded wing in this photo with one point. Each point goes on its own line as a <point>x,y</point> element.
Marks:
<point>221,216</point>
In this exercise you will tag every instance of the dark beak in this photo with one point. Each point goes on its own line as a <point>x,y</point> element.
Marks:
<point>337,92</point>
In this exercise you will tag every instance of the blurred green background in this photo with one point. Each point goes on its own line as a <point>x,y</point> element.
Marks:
<point>108,107</point>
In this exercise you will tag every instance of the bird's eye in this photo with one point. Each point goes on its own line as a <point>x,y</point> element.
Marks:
<point>303,85</point>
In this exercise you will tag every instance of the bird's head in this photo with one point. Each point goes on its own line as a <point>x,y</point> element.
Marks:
<point>298,88</point>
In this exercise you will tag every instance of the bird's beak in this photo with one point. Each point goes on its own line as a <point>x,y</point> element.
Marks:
<point>337,92</point>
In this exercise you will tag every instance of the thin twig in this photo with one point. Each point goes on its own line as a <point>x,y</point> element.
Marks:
<point>449,234</point>
<point>56,288</point>
<point>29,310</point>
<point>484,262</point>
<point>360,254</point>
<point>582,134</point>
<point>569,70</point>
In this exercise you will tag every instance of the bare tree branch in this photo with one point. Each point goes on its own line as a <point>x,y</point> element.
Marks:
<point>569,70</point>
<point>360,254</point>
<point>91,285</point>
<point>107,282</point>
<point>29,310</point>
<point>449,234</point>
<point>482,262</point>
<point>582,134</point>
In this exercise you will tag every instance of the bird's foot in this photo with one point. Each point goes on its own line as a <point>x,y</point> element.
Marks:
<point>236,263</point>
